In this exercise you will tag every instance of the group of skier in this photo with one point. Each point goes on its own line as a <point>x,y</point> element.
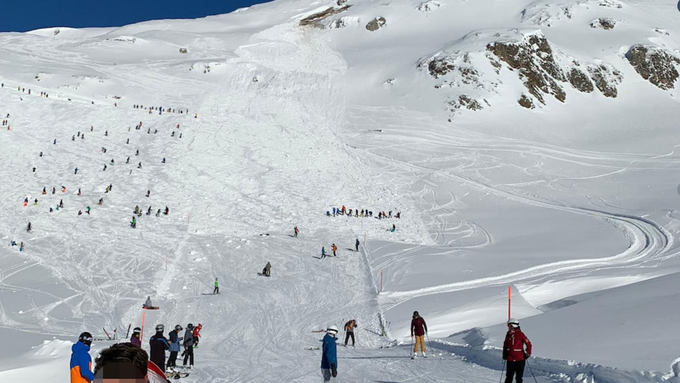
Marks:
<point>81,361</point>
<point>363,213</point>
<point>159,344</point>
<point>516,348</point>
<point>87,209</point>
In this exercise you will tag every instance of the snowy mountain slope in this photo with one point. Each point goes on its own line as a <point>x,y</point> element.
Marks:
<point>571,203</point>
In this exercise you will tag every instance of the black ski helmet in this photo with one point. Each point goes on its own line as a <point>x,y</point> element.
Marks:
<point>415,314</point>
<point>136,330</point>
<point>85,338</point>
<point>178,328</point>
<point>190,326</point>
<point>160,327</point>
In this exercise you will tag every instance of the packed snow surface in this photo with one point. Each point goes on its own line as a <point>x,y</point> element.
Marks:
<point>267,125</point>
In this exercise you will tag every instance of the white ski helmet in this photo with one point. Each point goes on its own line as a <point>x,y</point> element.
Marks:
<point>333,329</point>
<point>513,322</point>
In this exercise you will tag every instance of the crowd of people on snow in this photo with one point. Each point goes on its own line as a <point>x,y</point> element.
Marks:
<point>54,189</point>
<point>148,367</point>
<point>363,213</point>
<point>129,360</point>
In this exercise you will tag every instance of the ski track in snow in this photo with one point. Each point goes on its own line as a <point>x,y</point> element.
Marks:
<point>285,84</point>
<point>648,240</point>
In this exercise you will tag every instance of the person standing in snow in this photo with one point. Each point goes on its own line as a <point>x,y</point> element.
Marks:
<point>216,290</point>
<point>356,245</point>
<point>197,334</point>
<point>334,248</point>
<point>135,338</point>
<point>295,231</point>
<point>329,359</point>
<point>514,353</point>
<point>81,361</point>
<point>323,252</point>
<point>157,345</point>
<point>419,327</point>
<point>174,346</point>
<point>349,331</point>
<point>189,346</point>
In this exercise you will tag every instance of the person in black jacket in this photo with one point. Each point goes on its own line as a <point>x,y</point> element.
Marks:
<point>158,344</point>
<point>189,346</point>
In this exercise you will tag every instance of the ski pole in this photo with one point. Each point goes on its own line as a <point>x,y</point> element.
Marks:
<point>502,370</point>
<point>429,344</point>
<point>530,370</point>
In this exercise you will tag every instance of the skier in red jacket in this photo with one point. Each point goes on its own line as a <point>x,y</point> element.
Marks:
<point>513,351</point>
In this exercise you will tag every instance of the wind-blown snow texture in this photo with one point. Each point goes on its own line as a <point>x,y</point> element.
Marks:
<point>573,204</point>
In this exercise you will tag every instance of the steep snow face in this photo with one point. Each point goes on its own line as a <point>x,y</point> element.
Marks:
<point>525,144</point>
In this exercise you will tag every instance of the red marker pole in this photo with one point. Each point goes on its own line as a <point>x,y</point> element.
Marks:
<point>509,300</point>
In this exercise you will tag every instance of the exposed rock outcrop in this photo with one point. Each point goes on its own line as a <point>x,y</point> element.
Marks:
<point>606,79</point>
<point>427,6</point>
<point>603,23</point>
<point>533,58</point>
<point>316,19</point>
<point>526,102</point>
<point>580,81</point>
<point>376,24</point>
<point>654,64</point>
<point>465,101</point>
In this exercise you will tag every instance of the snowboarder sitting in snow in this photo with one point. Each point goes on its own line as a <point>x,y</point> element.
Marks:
<point>267,270</point>
<point>147,305</point>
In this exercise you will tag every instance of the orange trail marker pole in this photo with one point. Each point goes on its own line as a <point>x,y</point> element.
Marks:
<point>509,299</point>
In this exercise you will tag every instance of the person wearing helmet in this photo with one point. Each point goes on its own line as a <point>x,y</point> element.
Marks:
<point>81,361</point>
<point>329,356</point>
<point>188,353</point>
<point>157,346</point>
<point>136,337</point>
<point>174,347</point>
<point>419,327</point>
<point>513,351</point>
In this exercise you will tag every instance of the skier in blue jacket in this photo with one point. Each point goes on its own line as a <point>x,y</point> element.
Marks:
<point>81,361</point>
<point>329,359</point>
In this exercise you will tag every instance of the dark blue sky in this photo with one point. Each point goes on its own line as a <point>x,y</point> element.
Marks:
<point>26,15</point>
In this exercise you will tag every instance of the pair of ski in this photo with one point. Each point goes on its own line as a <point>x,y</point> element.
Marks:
<point>176,374</point>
